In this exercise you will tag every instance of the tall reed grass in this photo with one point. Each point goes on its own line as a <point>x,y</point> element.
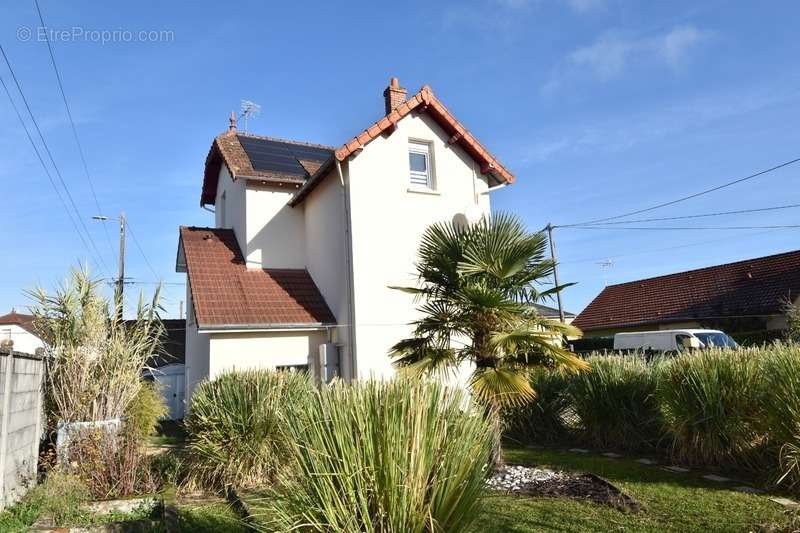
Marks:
<point>711,403</point>
<point>547,418</point>
<point>398,456</point>
<point>238,427</point>
<point>781,409</point>
<point>615,402</point>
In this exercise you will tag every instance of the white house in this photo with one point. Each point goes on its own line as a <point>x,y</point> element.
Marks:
<point>309,238</point>
<point>18,328</point>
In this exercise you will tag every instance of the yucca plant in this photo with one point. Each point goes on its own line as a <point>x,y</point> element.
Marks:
<point>237,427</point>
<point>548,417</point>
<point>711,402</point>
<point>616,402</point>
<point>476,286</point>
<point>781,406</point>
<point>389,457</point>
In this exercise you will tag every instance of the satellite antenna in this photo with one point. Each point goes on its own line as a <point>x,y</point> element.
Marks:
<point>608,263</point>
<point>249,109</point>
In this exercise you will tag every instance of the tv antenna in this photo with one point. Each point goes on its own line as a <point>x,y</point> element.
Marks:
<point>608,263</point>
<point>249,109</point>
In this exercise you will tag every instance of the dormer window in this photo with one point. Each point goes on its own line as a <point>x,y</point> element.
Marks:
<point>419,162</point>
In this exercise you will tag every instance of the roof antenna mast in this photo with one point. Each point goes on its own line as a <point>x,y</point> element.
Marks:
<point>249,109</point>
<point>608,263</point>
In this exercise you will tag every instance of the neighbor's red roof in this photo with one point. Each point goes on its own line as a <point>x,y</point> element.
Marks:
<point>18,319</point>
<point>226,293</point>
<point>755,287</point>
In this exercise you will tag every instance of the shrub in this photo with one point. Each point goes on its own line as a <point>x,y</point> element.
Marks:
<point>781,407</point>
<point>144,412</point>
<point>545,419</point>
<point>59,497</point>
<point>385,456</point>
<point>710,402</point>
<point>111,464</point>
<point>616,402</point>
<point>237,427</point>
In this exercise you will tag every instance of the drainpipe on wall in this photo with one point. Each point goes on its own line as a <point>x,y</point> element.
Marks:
<point>350,276</point>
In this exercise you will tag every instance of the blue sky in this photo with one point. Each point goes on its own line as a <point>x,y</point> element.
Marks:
<point>597,106</point>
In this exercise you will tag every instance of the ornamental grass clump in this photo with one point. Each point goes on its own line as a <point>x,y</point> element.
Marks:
<point>781,407</point>
<point>397,456</point>
<point>711,404</point>
<point>615,402</point>
<point>548,418</point>
<point>237,427</point>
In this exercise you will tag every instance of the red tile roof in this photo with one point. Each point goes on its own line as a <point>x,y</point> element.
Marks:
<point>18,319</point>
<point>755,287</point>
<point>423,101</point>
<point>226,293</point>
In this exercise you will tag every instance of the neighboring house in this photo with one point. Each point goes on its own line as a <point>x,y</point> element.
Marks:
<point>742,297</point>
<point>553,314</point>
<point>168,368</point>
<point>309,239</point>
<point>18,328</point>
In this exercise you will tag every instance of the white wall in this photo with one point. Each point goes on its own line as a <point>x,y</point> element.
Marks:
<point>275,231</point>
<point>231,351</point>
<point>326,256</point>
<point>197,350</point>
<point>388,222</point>
<point>24,340</point>
<point>235,207</point>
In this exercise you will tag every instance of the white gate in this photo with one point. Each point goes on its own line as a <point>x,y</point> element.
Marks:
<point>171,383</point>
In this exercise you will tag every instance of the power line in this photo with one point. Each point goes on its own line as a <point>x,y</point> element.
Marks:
<point>52,160</point>
<point>44,166</point>
<point>72,124</point>
<point>684,198</point>
<point>666,249</point>
<point>684,217</point>
<point>141,251</point>
<point>678,228</point>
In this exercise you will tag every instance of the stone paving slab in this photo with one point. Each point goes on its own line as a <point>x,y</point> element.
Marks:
<point>677,469</point>
<point>786,502</point>
<point>718,479</point>
<point>578,450</point>
<point>646,461</point>
<point>613,455</point>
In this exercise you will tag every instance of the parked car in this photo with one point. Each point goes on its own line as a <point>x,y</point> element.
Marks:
<point>673,340</point>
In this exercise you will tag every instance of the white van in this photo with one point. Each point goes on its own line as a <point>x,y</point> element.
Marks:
<point>673,340</point>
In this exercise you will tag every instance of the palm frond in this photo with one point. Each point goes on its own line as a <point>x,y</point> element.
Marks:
<point>502,386</point>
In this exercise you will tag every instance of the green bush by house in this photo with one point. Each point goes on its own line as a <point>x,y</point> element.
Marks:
<point>401,455</point>
<point>237,427</point>
<point>730,409</point>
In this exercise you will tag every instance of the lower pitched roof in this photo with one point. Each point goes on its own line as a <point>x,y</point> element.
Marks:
<point>755,287</point>
<point>226,294</point>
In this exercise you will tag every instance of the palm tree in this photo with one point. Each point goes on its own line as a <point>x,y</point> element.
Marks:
<point>476,286</point>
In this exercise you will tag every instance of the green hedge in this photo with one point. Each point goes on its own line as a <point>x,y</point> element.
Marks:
<point>731,409</point>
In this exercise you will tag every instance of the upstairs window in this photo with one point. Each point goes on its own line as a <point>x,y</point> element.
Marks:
<point>419,163</point>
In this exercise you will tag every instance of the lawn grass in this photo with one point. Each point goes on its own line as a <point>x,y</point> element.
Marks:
<point>670,502</point>
<point>209,518</point>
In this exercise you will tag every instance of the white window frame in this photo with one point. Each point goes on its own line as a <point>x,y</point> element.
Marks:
<point>416,146</point>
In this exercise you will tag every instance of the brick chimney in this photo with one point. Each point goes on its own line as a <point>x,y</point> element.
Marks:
<point>394,95</point>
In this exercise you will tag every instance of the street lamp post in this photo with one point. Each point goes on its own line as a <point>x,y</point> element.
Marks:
<point>120,282</point>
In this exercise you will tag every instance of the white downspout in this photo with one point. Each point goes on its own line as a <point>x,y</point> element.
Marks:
<point>350,276</point>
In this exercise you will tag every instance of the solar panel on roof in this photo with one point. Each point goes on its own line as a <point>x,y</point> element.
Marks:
<point>268,155</point>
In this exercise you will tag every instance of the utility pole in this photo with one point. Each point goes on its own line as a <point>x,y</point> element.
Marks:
<point>549,229</point>
<point>121,274</point>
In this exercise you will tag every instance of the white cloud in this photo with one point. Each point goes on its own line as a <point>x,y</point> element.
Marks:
<point>614,52</point>
<point>617,134</point>
<point>675,45</point>
<point>606,58</point>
